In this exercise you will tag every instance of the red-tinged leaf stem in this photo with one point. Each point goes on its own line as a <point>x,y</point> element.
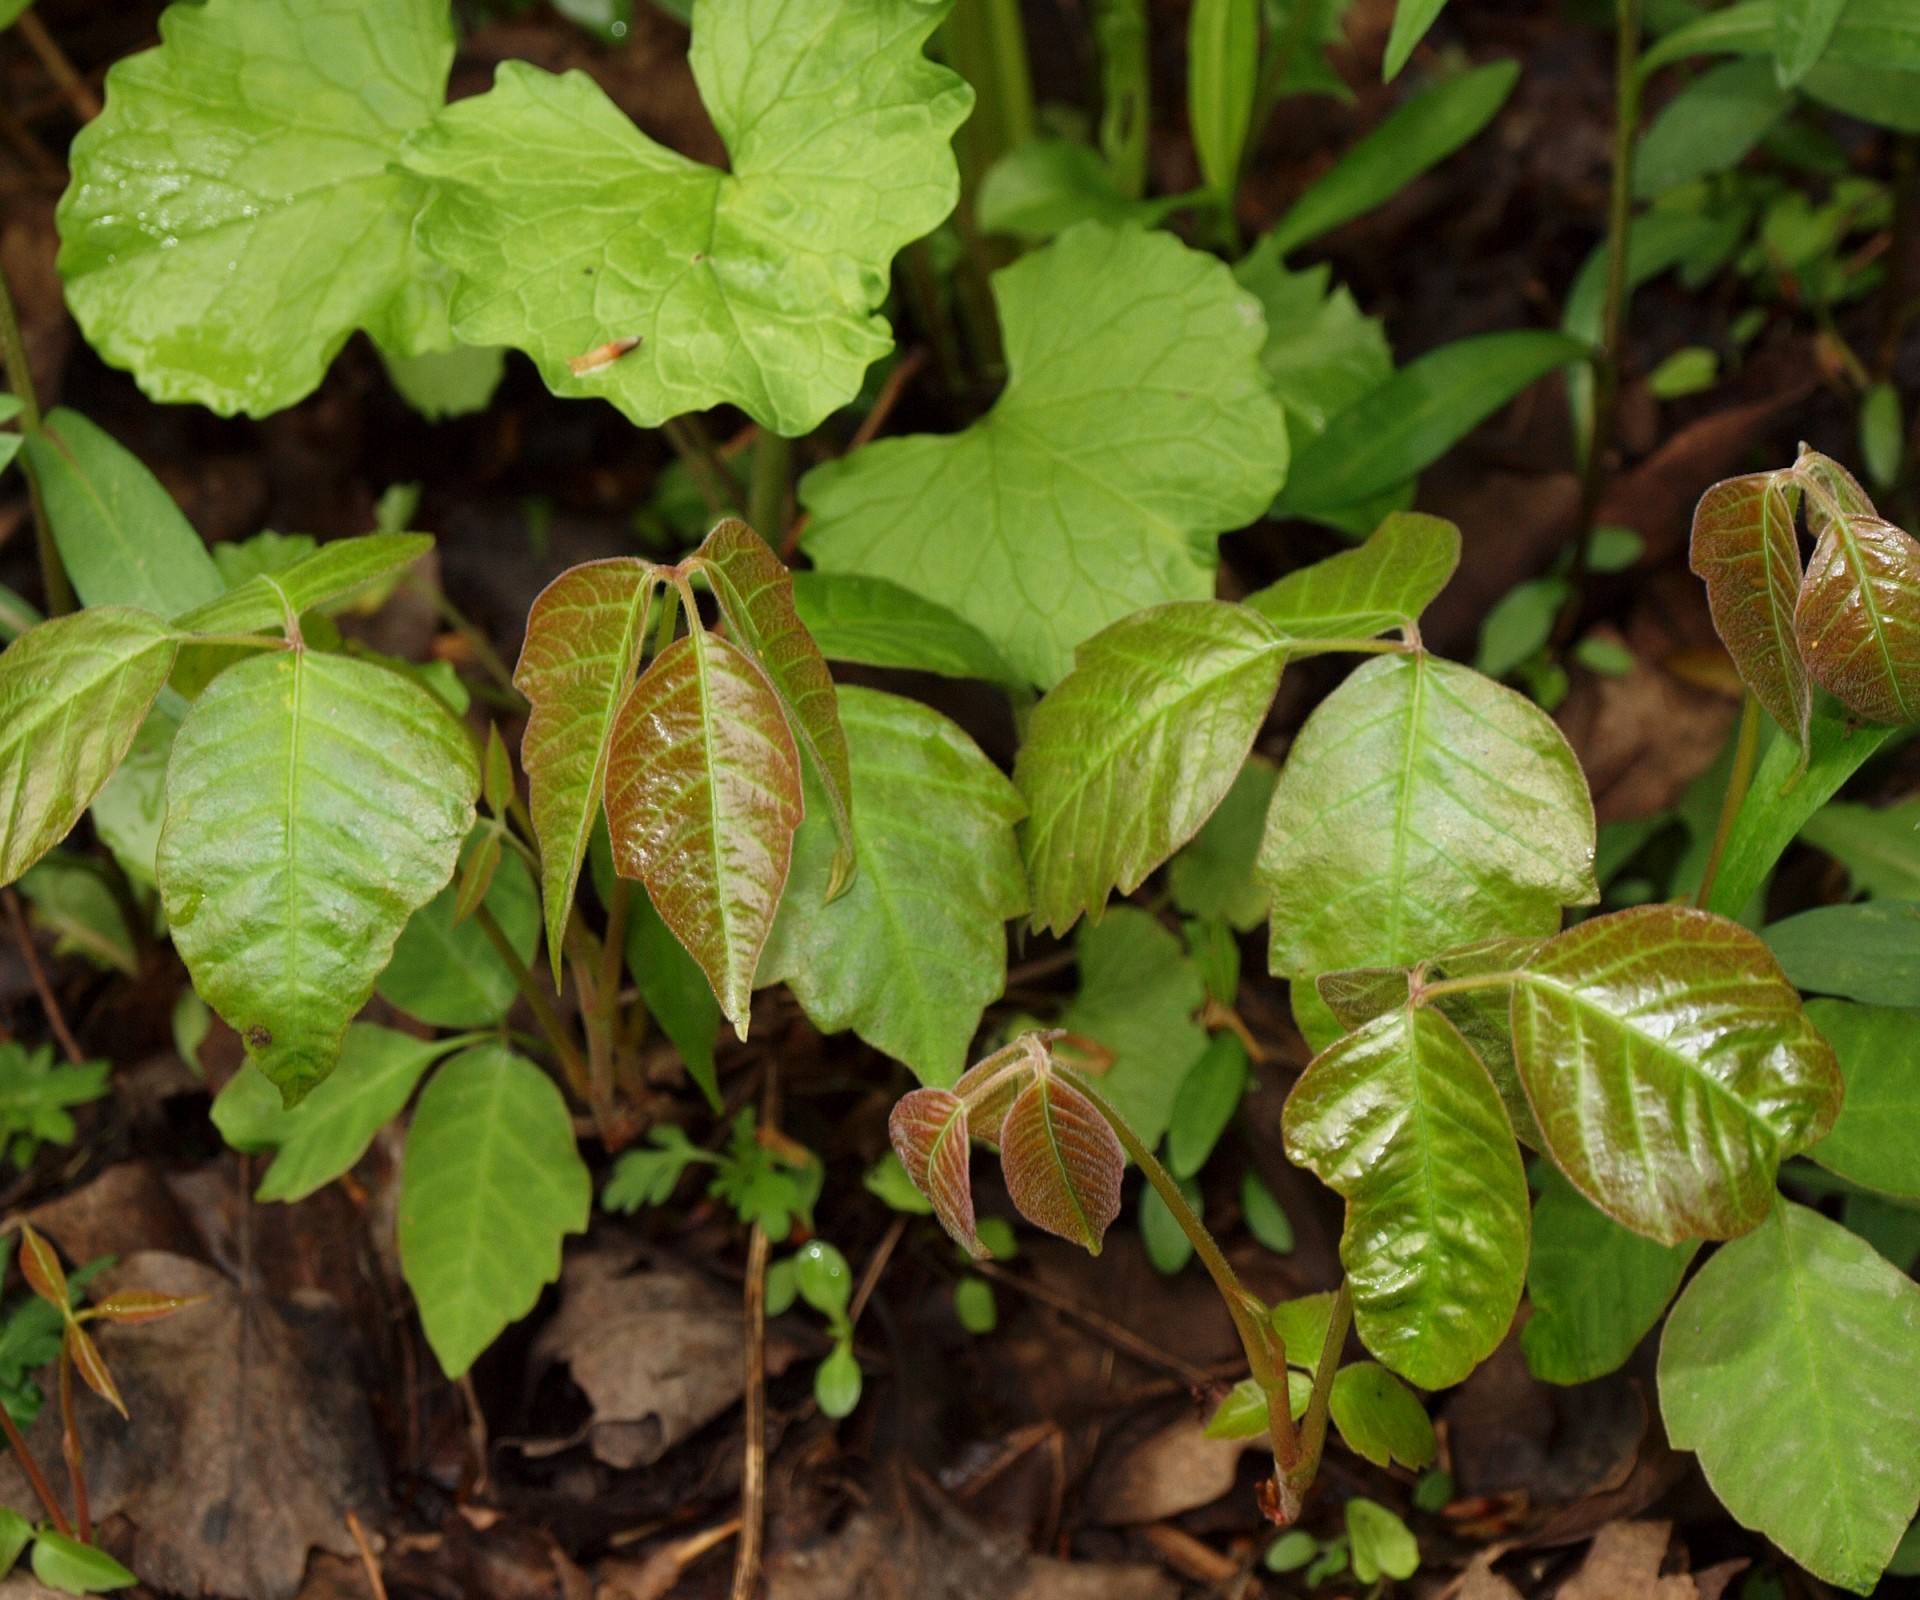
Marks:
<point>13,355</point>
<point>70,1448</point>
<point>55,1514</point>
<point>1746,752</point>
<point>572,1063</point>
<point>1313,1426</point>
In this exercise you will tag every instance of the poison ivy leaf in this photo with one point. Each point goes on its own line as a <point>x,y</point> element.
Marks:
<point>1355,594</point>
<point>445,970</point>
<point>1063,1163</point>
<point>1411,19</point>
<point>1802,30</point>
<point>1380,1417</point>
<point>1872,1142</point>
<point>1422,807</point>
<point>1400,1118</point>
<point>1861,952</point>
<point>1747,551</point>
<point>1135,747</point>
<point>1212,874</point>
<point>121,537</point>
<point>490,1185</point>
<point>1205,1103</point>
<point>1138,994</point>
<point>1791,1367</point>
<point>1672,1069</point>
<point>880,624</point>
<point>703,797</point>
<point>73,693</point>
<point>1322,354</point>
<point>1381,1544</point>
<point>1596,1288</point>
<point>1879,846</point>
<point>1134,427</point>
<point>265,599</point>
<point>132,804</point>
<point>585,633</point>
<point>573,233</point>
<point>1484,1018</point>
<point>72,900</point>
<point>1858,618</point>
<point>1709,127</point>
<point>915,949</point>
<point>313,804</point>
<point>235,212</point>
<point>1354,998</point>
<point>930,1133</point>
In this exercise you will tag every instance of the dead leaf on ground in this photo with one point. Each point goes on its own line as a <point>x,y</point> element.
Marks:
<point>507,1559</point>
<point>128,1208</point>
<point>249,1443</point>
<point>1624,1564</point>
<point>1173,1469</point>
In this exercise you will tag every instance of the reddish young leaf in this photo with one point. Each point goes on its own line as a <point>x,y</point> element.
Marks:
<point>991,1085</point>
<point>703,796</point>
<point>1063,1163</point>
<point>585,634</point>
<point>755,591</point>
<point>43,1271</point>
<point>1858,620</point>
<point>92,1367</point>
<point>1747,551</point>
<point>929,1132</point>
<point>138,1305</point>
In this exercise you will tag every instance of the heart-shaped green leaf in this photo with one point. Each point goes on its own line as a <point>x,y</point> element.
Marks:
<point>1858,620</point>
<point>1746,548</point>
<point>1873,1141</point>
<point>335,569</point>
<point>73,693</point>
<point>1134,748</point>
<point>313,804</point>
<point>1791,1366</point>
<point>585,634</point>
<point>1401,1119</point>
<point>703,796</point>
<point>1672,1069</point>
<point>1383,585</point>
<point>663,285</point>
<point>1062,1161</point>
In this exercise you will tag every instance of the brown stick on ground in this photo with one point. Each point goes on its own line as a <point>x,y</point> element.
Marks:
<point>56,1019</point>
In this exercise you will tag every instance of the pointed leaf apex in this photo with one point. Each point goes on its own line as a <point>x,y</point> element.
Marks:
<point>41,1265</point>
<point>929,1132</point>
<point>92,1367</point>
<point>1063,1163</point>
<point>139,1305</point>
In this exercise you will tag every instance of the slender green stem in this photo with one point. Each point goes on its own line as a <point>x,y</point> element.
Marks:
<point>1120,27</point>
<point>13,354</point>
<point>669,621</point>
<point>1313,1426</point>
<point>548,1020</point>
<point>35,1476</point>
<point>767,488</point>
<point>711,476</point>
<point>482,647</point>
<point>1746,752</point>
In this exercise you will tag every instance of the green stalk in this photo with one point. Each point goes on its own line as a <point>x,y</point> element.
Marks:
<point>1746,753</point>
<point>1313,1426</point>
<point>13,354</point>
<point>711,476</point>
<point>767,489</point>
<point>1120,27</point>
<point>548,1020</point>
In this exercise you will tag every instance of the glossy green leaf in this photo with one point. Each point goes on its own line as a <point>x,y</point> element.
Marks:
<point>585,634</point>
<point>1223,71</point>
<point>1420,134</point>
<point>1356,594</point>
<point>1746,549</point>
<point>1791,1367</point>
<point>1063,1163</point>
<point>490,1185</point>
<point>916,948</point>
<point>1133,749</point>
<point>1596,1288</point>
<point>573,233</point>
<point>1380,1417</point>
<point>235,213</point>
<point>1212,874</point>
<point>1138,994</point>
<point>121,537</point>
<point>1135,426</point>
<point>1400,1118</point>
<point>1672,1069</point>
<point>1858,618</point>
<point>1879,846</point>
<point>703,796</point>
<point>1802,29</point>
<point>1322,354</point>
<point>1415,417</point>
<point>313,804</point>
<point>73,693</point>
<point>1379,1543</point>
<point>1421,808</point>
<point>1043,187</point>
<point>265,600</point>
<point>880,624</point>
<point>67,1564</point>
<point>1867,952</point>
<point>1205,1103</point>
<point>1411,19</point>
<point>444,969</point>
<point>1874,1143</point>
<point>1710,126</point>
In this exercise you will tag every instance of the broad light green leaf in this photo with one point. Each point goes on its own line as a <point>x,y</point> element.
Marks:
<point>132,804</point>
<point>1212,875</point>
<point>73,693</point>
<point>1381,1544</point>
<point>447,383</point>
<point>1858,617</point>
<point>1415,417</point>
<point>313,804</point>
<point>1596,1288</point>
<point>1791,1366</point>
<point>1710,126</point>
<point>1867,952</point>
<point>910,955</point>
<point>1401,1119</point>
<point>235,213</point>
<point>1223,71</point>
<point>1879,846</point>
<point>1134,748</point>
<point>490,1185</point>
<point>1380,1417</point>
<point>1045,186</point>
<point>1134,427</point>
<point>1411,19</point>
<point>1384,585</point>
<point>1876,1141</point>
<point>1138,995</point>
<point>573,233</point>
<point>1423,807</point>
<point>1802,29</point>
<point>72,900</point>
<point>1672,1069</point>
<point>880,624</point>
<point>703,797</point>
<point>1206,1102</point>
<point>1418,135</point>
<point>121,537</point>
<point>264,600</point>
<point>445,971</point>
<point>1322,354</point>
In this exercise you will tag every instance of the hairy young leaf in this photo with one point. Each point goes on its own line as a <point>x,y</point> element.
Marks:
<point>1063,1163</point>
<point>1400,1118</point>
<point>915,949</point>
<point>703,797</point>
<point>1212,875</point>
<point>1596,1288</point>
<point>930,1133</point>
<point>235,212</point>
<point>1134,748</point>
<point>1356,594</point>
<point>1873,1143</point>
<point>490,1185</point>
<point>585,634</point>
<point>1858,619</point>
<point>445,971</point>
<point>1878,845</point>
<point>1422,807</point>
<point>266,599</point>
<point>1747,551</point>
<point>1672,1069</point>
<point>1322,354</point>
<point>1791,1366</point>
<point>1134,427</point>
<point>73,693</point>
<point>1867,952</point>
<point>1380,1417</point>
<point>313,804</point>
<point>880,624</point>
<point>573,233</point>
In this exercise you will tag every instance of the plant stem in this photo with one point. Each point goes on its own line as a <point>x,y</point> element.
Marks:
<point>79,93</point>
<point>1313,1426</point>
<point>767,488</point>
<point>711,476</point>
<point>544,1015</point>
<point>13,353</point>
<point>1479,980</point>
<point>70,1447</point>
<point>49,1001</point>
<point>1120,27</point>
<point>35,1476</point>
<point>482,647</point>
<point>753,1474</point>
<point>1746,751</point>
